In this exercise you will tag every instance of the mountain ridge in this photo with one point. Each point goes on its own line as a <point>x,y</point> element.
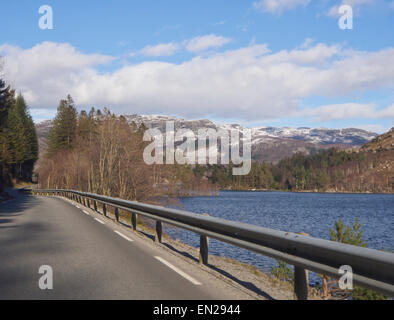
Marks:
<point>269,144</point>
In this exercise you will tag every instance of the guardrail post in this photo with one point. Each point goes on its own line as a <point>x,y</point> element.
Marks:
<point>104,209</point>
<point>159,231</point>
<point>204,245</point>
<point>134,221</point>
<point>95,205</point>
<point>88,201</point>
<point>116,214</point>
<point>301,282</point>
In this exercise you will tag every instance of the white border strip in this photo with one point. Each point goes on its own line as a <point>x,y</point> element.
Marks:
<point>180,272</point>
<point>98,220</point>
<point>123,236</point>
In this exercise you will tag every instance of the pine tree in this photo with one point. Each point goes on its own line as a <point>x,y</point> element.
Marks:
<point>354,235</point>
<point>6,100</point>
<point>348,234</point>
<point>22,138</point>
<point>86,128</point>
<point>63,133</point>
<point>5,95</point>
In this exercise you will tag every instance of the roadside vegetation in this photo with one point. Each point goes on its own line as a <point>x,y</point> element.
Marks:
<point>330,170</point>
<point>101,153</point>
<point>18,139</point>
<point>348,234</point>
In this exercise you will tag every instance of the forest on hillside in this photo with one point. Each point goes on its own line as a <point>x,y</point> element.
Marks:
<point>18,139</point>
<point>102,153</point>
<point>326,171</point>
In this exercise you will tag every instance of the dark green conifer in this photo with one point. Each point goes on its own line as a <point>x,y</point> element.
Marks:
<point>63,133</point>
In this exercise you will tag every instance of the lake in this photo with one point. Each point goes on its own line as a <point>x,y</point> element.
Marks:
<point>313,213</point>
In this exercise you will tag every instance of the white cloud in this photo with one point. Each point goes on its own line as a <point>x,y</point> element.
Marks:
<point>355,4</point>
<point>219,23</point>
<point>249,83</point>
<point>203,43</point>
<point>347,111</point>
<point>195,45</point>
<point>278,6</point>
<point>42,114</point>
<point>377,128</point>
<point>122,43</point>
<point>46,71</point>
<point>333,12</point>
<point>160,50</point>
<point>308,42</point>
<point>387,113</point>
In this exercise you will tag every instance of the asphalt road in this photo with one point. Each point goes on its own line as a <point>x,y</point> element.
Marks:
<point>91,257</point>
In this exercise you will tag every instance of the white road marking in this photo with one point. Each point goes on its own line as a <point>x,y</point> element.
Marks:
<point>123,236</point>
<point>85,212</point>
<point>98,220</point>
<point>180,272</point>
<point>78,207</point>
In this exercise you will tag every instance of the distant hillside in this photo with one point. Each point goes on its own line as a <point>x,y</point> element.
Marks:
<point>42,130</point>
<point>269,144</point>
<point>295,159</point>
<point>381,143</point>
<point>366,169</point>
<point>369,169</point>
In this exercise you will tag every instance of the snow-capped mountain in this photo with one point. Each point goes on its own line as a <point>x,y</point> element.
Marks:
<point>349,136</point>
<point>268,143</point>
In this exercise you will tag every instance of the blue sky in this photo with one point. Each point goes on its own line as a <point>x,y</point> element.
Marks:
<point>269,62</point>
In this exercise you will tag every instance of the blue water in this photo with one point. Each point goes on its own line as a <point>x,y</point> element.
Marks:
<point>313,213</point>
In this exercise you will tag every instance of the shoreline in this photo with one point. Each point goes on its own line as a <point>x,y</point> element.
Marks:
<point>306,191</point>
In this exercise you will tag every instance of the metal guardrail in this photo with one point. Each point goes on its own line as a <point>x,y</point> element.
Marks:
<point>372,269</point>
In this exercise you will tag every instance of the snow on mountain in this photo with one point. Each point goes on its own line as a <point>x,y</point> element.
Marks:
<point>323,136</point>
<point>268,143</point>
